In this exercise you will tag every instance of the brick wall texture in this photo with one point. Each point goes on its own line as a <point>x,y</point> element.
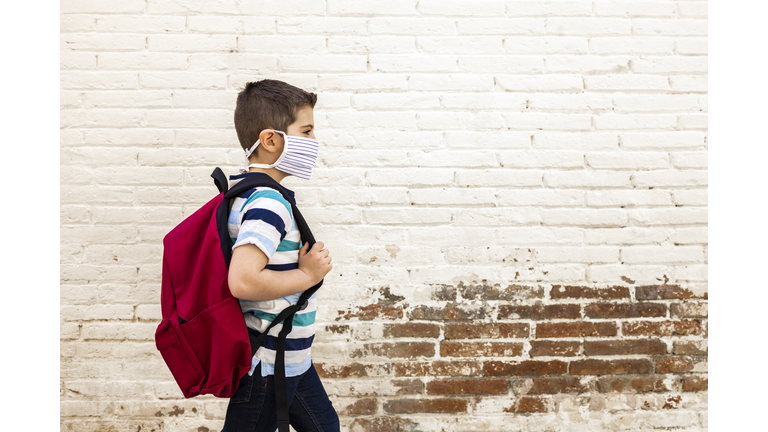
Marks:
<point>514,194</point>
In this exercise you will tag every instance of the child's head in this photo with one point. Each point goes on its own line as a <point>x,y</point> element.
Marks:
<point>276,105</point>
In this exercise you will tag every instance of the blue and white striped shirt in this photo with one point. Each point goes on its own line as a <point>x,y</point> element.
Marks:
<point>262,217</point>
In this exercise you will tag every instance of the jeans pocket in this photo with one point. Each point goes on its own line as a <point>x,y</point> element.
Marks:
<point>243,393</point>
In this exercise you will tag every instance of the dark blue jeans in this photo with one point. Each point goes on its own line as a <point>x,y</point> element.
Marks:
<point>253,408</point>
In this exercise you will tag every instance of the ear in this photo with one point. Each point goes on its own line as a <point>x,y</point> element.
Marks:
<point>270,140</point>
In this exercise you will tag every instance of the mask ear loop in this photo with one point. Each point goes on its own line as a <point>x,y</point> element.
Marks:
<point>247,154</point>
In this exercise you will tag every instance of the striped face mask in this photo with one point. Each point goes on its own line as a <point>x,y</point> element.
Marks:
<point>298,157</point>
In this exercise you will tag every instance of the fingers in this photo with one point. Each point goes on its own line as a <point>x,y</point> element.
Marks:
<point>318,246</point>
<point>304,249</point>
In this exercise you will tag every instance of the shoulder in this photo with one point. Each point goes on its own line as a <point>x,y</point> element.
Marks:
<point>265,203</point>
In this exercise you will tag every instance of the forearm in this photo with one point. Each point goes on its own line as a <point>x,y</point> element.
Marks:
<point>269,284</point>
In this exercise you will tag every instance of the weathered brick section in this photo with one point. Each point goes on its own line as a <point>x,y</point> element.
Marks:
<point>514,194</point>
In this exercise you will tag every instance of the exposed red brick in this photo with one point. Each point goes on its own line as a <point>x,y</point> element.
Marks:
<point>540,312</point>
<point>337,328</point>
<point>408,386</point>
<point>468,386</point>
<point>487,331</point>
<point>382,424</point>
<point>411,329</point>
<point>527,367</point>
<point>665,292</point>
<point>608,367</point>
<point>581,292</point>
<point>575,329</point>
<point>372,312</point>
<point>541,348</point>
<point>527,404</point>
<point>675,364</point>
<point>444,293</point>
<point>637,384</point>
<point>481,349</point>
<point>672,402</point>
<point>694,383</point>
<point>625,310</point>
<point>557,385</point>
<point>691,348</point>
<point>690,310</point>
<point>396,350</point>
<point>352,370</point>
<point>410,406</point>
<point>625,347</point>
<point>360,407</point>
<point>661,328</point>
<point>438,368</point>
<point>512,292</point>
<point>451,312</point>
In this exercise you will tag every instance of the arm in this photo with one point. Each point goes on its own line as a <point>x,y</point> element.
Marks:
<point>249,280</point>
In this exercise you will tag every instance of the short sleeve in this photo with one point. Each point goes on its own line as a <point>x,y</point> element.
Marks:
<point>263,221</point>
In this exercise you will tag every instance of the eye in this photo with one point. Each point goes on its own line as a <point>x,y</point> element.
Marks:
<point>307,131</point>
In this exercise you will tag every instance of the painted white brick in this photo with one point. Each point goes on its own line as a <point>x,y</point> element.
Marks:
<point>421,25</point>
<point>103,42</point>
<point>498,217</point>
<point>99,156</point>
<point>669,178</point>
<point>181,43</point>
<point>102,118</point>
<point>101,194</point>
<point>323,63</point>
<point>587,179</point>
<point>364,83</point>
<point>371,44</point>
<point>691,45</point>
<point>95,6</point>
<point>581,141</point>
<point>669,27</point>
<point>626,83</point>
<point>96,312</point>
<point>409,176</point>
<point>656,103</point>
<point>661,255</point>
<point>83,80</point>
<point>697,159</point>
<point>143,61</point>
<point>147,24</point>
<point>286,8</point>
<point>546,45</point>
<point>540,197</point>
<point>452,196</point>
<point>538,236</point>
<point>78,60</point>
<point>500,26</point>
<point>487,139</point>
<point>692,9</point>
<point>231,25</point>
<point>458,121</point>
<point>626,235</point>
<point>628,198</point>
<point>637,274</point>
<point>549,8</point>
<point>547,82</point>
<point>541,159</point>
<point>453,158</point>
<point>672,216</point>
<point>663,140</point>
<point>585,217</point>
<point>587,64</point>
<point>459,45</point>
<point>71,214</point>
<point>442,82</point>
<point>690,197</point>
<point>636,8</point>
<point>635,121</point>
<point>415,216</point>
<point>413,63</point>
<point>175,7</point>
<point>688,83</point>
<point>552,102</point>
<point>365,197</point>
<point>690,235</point>
<point>462,8</point>
<point>693,121</point>
<point>670,65</point>
<point>329,25</point>
<point>691,273</point>
<point>395,101</point>
<point>499,177</point>
<point>186,118</point>
<point>590,254</point>
<point>633,45</point>
<point>547,121</point>
<point>627,160</point>
<point>77,23</point>
<point>357,8</point>
<point>588,26</point>
<point>372,119</point>
<point>502,64</point>
<point>183,80</point>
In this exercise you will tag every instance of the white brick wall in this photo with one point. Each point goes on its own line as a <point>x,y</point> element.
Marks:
<point>575,130</point>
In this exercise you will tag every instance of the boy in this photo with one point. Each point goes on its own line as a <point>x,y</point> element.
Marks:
<point>269,269</point>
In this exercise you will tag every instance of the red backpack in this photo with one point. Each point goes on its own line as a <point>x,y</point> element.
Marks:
<point>202,336</point>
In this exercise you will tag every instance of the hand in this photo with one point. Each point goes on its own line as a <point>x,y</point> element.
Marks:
<point>315,262</point>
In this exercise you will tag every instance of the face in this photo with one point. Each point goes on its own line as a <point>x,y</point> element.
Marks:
<point>304,126</point>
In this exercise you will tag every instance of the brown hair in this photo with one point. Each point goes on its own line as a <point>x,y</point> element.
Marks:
<point>268,104</point>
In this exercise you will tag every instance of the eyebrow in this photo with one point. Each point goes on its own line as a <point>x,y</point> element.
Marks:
<point>309,125</point>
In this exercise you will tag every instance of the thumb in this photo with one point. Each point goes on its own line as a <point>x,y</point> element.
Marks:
<point>304,249</point>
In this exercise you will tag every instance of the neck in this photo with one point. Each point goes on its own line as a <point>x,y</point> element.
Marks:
<point>276,175</point>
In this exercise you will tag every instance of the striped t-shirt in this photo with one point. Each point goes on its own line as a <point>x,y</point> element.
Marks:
<point>262,217</point>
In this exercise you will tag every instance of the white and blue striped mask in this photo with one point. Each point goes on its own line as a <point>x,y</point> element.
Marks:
<point>298,157</point>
